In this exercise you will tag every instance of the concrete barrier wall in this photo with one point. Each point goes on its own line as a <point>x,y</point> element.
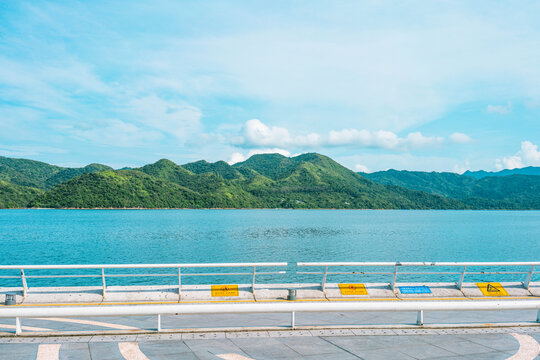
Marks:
<point>267,292</point>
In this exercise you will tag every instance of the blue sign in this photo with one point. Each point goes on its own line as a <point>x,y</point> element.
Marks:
<point>415,289</point>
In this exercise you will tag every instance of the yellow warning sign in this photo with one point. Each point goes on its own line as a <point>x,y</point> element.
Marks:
<point>352,289</point>
<point>224,290</point>
<point>492,289</point>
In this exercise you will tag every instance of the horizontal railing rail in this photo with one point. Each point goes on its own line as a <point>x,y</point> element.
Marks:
<point>178,271</point>
<point>395,266</point>
<point>18,313</point>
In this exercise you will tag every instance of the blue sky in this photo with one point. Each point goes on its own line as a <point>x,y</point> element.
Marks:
<point>431,85</point>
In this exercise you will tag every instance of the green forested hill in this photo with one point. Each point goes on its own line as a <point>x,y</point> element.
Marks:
<point>316,181</point>
<point>40,175</point>
<point>119,189</point>
<point>15,196</point>
<point>262,181</point>
<point>489,192</point>
<point>529,170</point>
<point>220,168</point>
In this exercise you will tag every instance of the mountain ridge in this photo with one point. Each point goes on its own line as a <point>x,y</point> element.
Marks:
<point>309,181</point>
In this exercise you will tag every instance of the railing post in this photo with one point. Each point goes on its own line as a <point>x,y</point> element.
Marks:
<point>538,316</point>
<point>179,284</point>
<point>461,278</point>
<point>393,285</point>
<point>103,281</point>
<point>24,284</point>
<point>529,278</point>
<point>18,327</point>
<point>159,323</point>
<point>292,320</point>
<point>323,285</point>
<point>420,318</point>
<point>253,281</point>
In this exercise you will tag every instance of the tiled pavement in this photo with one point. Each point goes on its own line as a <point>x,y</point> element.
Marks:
<point>346,343</point>
<point>300,344</point>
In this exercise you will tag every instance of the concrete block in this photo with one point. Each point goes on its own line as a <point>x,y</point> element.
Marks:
<point>438,290</point>
<point>68,294</point>
<point>374,291</point>
<point>281,292</point>
<point>534,288</point>
<point>512,288</point>
<point>141,293</point>
<point>204,293</point>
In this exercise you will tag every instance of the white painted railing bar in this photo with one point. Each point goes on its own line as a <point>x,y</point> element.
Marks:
<point>180,274</point>
<point>500,263</point>
<point>138,266</point>
<point>252,308</point>
<point>399,265</point>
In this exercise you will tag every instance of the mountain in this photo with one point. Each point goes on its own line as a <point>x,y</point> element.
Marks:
<point>119,189</point>
<point>490,192</point>
<point>316,181</point>
<point>220,168</point>
<point>16,196</point>
<point>226,193</point>
<point>529,170</point>
<point>263,181</point>
<point>40,175</point>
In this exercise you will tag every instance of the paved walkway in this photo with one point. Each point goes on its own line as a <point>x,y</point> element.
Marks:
<point>506,343</point>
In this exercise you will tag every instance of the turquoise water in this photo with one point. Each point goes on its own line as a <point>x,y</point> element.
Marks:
<point>193,236</point>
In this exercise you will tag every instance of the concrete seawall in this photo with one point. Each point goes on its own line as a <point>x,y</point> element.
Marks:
<point>268,292</point>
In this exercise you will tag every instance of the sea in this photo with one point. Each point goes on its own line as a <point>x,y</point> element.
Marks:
<point>39,237</point>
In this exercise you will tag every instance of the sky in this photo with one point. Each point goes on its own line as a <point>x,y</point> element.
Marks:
<point>415,85</point>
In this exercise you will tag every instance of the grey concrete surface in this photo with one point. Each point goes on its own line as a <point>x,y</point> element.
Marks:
<point>293,345</point>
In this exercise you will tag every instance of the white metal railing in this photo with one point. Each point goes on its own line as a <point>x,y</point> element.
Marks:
<point>19,312</point>
<point>395,266</point>
<point>178,271</point>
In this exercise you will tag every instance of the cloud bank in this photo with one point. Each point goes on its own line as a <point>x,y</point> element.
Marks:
<point>528,155</point>
<point>256,134</point>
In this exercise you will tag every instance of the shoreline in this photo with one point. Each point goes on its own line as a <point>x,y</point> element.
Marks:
<point>376,209</point>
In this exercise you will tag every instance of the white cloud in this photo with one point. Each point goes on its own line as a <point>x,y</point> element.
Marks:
<point>361,168</point>
<point>530,153</point>
<point>527,156</point>
<point>460,138</point>
<point>114,132</point>
<point>239,157</point>
<point>256,134</point>
<point>499,109</point>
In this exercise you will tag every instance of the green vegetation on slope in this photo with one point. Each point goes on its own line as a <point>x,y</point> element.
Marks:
<point>119,189</point>
<point>490,192</point>
<point>219,168</point>
<point>16,196</point>
<point>263,181</point>
<point>40,175</point>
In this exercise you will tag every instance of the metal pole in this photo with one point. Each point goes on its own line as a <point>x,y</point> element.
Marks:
<point>253,282</point>
<point>538,316</point>
<point>323,285</point>
<point>103,280</point>
<point>393,285</point>
<point>420,318</point>
<point>18,327</point>
<point>25,286</point>
<point>179,285</point>
<point>462,277</point>
<point>159,323</point>
<point>292,320</point>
